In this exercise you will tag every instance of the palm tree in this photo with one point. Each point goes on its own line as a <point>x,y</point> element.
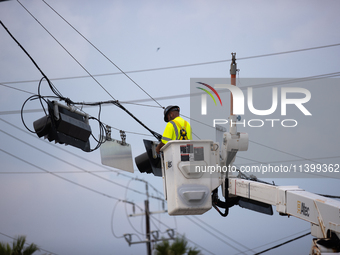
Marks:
<point>178,247</point>
<point>18,247</point>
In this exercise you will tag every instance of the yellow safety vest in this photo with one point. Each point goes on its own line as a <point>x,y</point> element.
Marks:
<point>177,129</point>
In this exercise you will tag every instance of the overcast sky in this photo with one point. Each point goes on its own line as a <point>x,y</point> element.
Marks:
<point>71,212</point>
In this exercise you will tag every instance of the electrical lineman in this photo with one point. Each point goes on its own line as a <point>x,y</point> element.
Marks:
<point>176,129</point>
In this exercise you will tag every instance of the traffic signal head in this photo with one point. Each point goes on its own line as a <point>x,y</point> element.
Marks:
<point>64,126</point>
<point>149,162</point>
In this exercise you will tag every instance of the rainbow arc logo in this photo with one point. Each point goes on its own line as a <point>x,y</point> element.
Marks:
<point>209,93</point>
<point>204,97</point>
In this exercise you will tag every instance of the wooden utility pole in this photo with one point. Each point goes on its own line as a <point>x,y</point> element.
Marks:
<point>147,227</point>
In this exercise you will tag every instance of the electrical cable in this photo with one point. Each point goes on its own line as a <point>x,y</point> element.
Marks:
<point>257,247</point>
<point>329,196</point>
<point>288,52</point>
<point>51,253</point>
<point>65,179</point>
<point>109,196</point>
<point>282,161</point>
<point>151,216</point>
<point>126,187</point>
<point>289,241</point>
<point>294,155</point>
<point>139,232</point>
<point>80,157</point>
<point>188,65</point>
<point>102,53</point>
<point>266,55</point>
<point>75,166</point>
<point>155,134</point>
<point>223,234</point>
<point>98,120</point>
<point>54,90</point>
<point>65,50</point>
<point>216,236</point>
<point>57,93</point>
<point>308,78</point>
<point>59,172</point>
<point>253,160</point>
<point>112,216</point>
<point>21,90</point>
<point>83,170</point>
<point>113,212</point>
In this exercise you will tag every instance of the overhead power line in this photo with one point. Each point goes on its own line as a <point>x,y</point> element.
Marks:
<point>308,78</point>
<point>329,196</point>
<point>102,53</point>
<point>84,159</point>
<point>28,244</point>
<point>184,65</point>
<point>60,177</point>
<point>59,172</point>
<point>72,165</point>
<point>276,246</point>
<point>289,51</point>
<point>21,90</point>
<point>257,247</point>
<point>69,53</point>
<point>294,155</point>
<point>214,235</point>
<point>282,161</point>
<point>198,245</point>
<point>222,234</point>
<point>58,94</point>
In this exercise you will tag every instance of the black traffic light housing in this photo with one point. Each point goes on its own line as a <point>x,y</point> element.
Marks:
<point>64,126</point>
<point>149,162</point>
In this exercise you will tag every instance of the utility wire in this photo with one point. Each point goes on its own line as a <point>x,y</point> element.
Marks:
<point>216,236</point>
<point>23,49</point>
<point>289,241</point>
<point>281,161</point>
<point>269,84</point>
<point>221,233</point>
<point>158,136</point>
<point>294,155</point>
<point>65,179</point>
<point>66,50</point>
<point>60,172</point>
<point>102,53</point>
<point>162,223</point>
<point>238,59</point>
<point>75,166</point>
<point>191,241</point>
<point>51,253</point>
<point>127,216</point>
<point>308,78</point>
<point>21,90</point>
<point>55,91</point>
<point>189,219</point>
<point>85,159</point>
<point>189,65</point>
<point>329,196</point>
<point>289,51</point>
<point>155,134</point>
<point>277,240</point>
<point>112,217</point>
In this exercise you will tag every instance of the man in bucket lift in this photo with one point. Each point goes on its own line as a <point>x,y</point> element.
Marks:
<point>176,129</point>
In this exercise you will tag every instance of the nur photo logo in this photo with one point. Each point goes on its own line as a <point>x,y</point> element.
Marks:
<point>281,98</point>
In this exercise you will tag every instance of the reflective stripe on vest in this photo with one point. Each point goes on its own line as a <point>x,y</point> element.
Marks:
<point>180,136</point>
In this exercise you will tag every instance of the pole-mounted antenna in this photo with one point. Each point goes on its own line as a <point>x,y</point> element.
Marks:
<point>233,70</point>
